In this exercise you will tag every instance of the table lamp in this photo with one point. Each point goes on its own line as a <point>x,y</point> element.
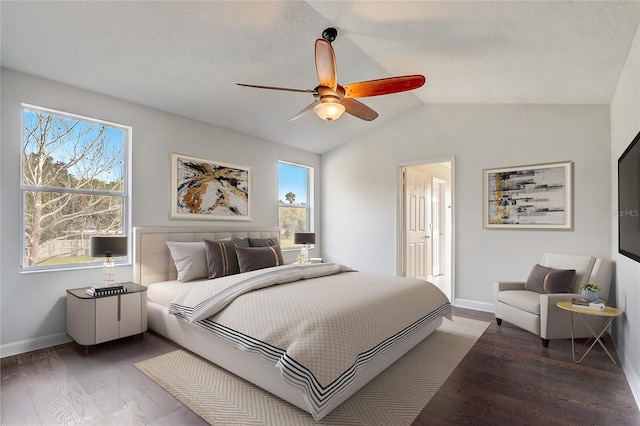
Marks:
<point>108,246</point>
<point>304,238</point>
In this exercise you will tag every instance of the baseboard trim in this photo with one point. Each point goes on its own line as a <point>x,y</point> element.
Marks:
<point>475,305</point>
<point>632,378</point>
<point>29,345</point>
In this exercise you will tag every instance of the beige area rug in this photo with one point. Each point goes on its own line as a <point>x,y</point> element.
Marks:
<point>395,397</point>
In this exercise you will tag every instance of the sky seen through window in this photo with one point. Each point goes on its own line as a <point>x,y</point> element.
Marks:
<point>292,178</point>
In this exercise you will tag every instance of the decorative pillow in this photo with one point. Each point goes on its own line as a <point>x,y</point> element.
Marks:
<point>190,259</point>
<point>536,278</point>
<point>549,280</point>
<point>262,242</point>
<point>241,242</point>
<point>560,281</point>
<point>221,258</point>
<point>252,258</point>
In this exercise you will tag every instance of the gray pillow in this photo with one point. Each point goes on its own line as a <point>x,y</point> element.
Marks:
<point>221,258</point>
<point>241,242</point>
<point>190,259</point>
<point>262,242</point>
<point>549,280</point>
<point>252,258</point>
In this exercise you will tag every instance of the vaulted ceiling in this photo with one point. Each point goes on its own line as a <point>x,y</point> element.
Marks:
<point>185,57</point>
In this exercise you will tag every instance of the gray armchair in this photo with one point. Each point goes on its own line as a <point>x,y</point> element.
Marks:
<point>538,313</point>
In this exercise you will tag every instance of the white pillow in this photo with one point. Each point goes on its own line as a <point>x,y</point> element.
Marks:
<point>190,259</point>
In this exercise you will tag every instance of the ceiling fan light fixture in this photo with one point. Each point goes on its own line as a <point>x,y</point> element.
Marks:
<point>329,108</point>
<point>331,99</point>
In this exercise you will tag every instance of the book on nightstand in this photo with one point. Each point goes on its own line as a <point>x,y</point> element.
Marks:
<point>106,291</point>
<point>585,304</point>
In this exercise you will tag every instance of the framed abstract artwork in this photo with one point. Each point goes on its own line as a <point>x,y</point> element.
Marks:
<point>533,196</point>
<point>208,189</point>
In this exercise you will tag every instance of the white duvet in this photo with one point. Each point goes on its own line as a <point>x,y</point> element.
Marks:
<point>318,323</point>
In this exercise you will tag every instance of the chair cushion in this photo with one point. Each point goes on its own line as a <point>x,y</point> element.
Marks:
<point>522,299</point>
<point>549,280</point>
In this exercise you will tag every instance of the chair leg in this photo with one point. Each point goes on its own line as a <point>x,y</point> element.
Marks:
<point>499,321</point>
<point>545,342</point>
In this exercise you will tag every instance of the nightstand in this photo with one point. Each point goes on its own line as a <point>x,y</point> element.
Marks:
<point>92,320</point>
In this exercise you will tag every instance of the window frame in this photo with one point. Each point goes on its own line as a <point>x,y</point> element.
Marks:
<point>310,200</point>
<point>125,194</point>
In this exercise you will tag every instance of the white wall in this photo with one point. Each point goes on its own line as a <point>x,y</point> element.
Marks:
<point>359,187</point>
<point>33,304</point>
<point>625,125</point>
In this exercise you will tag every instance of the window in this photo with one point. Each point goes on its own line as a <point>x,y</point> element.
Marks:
<point>295,192</point>
<point>74,185</point>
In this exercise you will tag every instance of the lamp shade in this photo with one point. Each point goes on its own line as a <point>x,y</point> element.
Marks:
<point>108,246</point>
<point>304,238</point>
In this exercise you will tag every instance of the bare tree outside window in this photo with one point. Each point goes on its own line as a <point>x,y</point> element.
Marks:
<point>73,185</point>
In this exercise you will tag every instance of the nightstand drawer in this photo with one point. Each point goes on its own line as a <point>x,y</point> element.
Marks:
<point>107,323</point>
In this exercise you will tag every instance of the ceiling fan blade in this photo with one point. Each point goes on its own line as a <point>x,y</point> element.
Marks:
<point>304,111</point>
<point>326,64</point>
<point>384,86</point>
<point>358,109</point>
<point>278,88</point>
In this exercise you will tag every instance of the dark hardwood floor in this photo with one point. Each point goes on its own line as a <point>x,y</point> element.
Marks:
<point>63,385</point>
<point>506,378</point>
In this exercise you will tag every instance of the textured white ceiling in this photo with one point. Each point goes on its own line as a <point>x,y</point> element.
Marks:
<point>184,57</point>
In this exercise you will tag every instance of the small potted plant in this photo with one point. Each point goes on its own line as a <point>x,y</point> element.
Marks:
<point>590,292</point>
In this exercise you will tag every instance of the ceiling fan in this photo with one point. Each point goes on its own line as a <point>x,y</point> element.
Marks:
<point>332,99</point>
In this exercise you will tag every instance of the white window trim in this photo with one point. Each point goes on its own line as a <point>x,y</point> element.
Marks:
<point>127,211</point>
<point>310,200</point>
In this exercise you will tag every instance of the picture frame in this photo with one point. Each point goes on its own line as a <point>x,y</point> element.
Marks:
<point>536,196</point>
<point>209,189</point>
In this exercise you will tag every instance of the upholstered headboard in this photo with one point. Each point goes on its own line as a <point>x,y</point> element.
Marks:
<point>151,259</point>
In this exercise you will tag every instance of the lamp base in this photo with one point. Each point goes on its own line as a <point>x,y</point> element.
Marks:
<point>108,274</point>
<point>303,257</point>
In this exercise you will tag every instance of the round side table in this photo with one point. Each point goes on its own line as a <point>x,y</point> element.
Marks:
<point>609,312</point>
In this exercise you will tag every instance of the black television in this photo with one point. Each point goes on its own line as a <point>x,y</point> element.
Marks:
<point>629,201</point>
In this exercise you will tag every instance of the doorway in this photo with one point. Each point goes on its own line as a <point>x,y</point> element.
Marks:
<point>426,223</point>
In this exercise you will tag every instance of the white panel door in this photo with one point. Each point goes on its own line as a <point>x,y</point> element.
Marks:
<point>435,227</point>
<point>416,232</point>
<point>437,240</point>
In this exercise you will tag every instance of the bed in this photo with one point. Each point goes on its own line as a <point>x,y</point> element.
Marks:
<point>310,334</point>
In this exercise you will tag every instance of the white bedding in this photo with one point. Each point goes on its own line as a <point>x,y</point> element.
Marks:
<point>205,300</point>
<point>164,292</point>
<point>318,331</point>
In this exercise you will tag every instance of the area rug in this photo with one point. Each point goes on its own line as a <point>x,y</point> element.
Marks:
<point>395,397</point>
